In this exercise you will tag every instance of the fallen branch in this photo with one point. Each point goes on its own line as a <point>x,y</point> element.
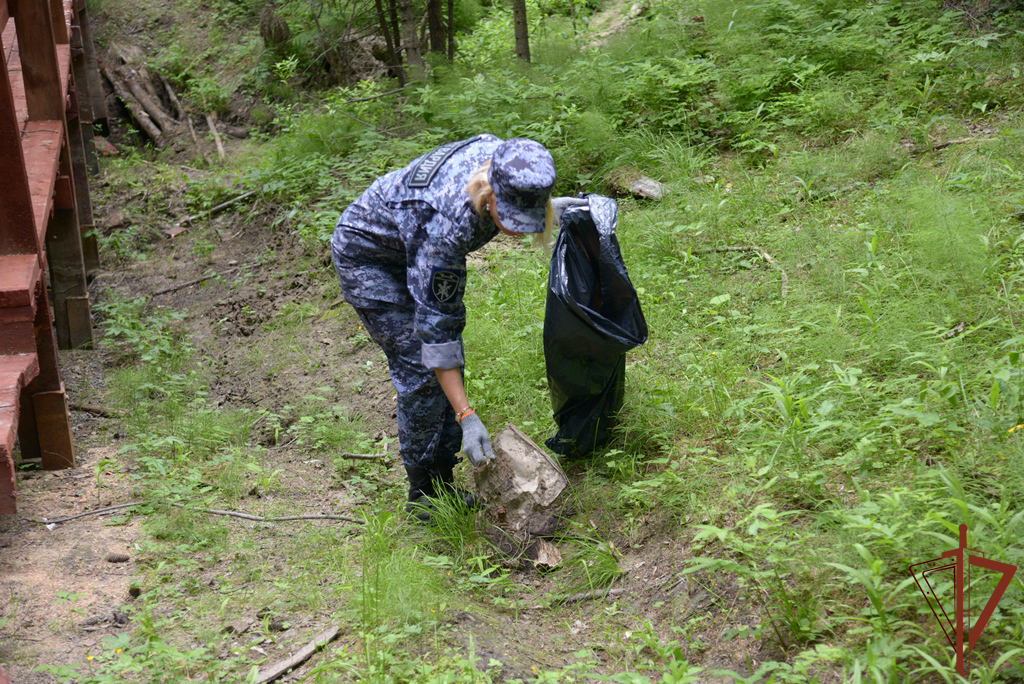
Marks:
<point>364,457</point>
<point>199,149</point>
<point>217,209</point>
<point>173,97</point>
<point>98,511</point>
<point>95,410</point>
<point>949,143</point>
<point>212,123</point>
<point>588,595</point>
<point>750,248</point>
<point>182,286</point>
<point>377,96</point>
<point>277,669</point>
<point>283,518</point>
<point>138,112</point>
<point>232,514</point>
<point>137,85</point>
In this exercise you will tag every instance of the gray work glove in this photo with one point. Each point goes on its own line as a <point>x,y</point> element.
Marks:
<point>475,440</point>
<point>560,204</point>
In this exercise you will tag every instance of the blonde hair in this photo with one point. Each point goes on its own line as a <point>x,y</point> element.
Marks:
<point>479,189</point>
<point>481,192</point>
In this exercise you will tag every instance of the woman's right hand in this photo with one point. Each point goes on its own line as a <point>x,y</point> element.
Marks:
<point>475,440</point>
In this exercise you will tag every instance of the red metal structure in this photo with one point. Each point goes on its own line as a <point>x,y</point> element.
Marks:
<point>46,121</point>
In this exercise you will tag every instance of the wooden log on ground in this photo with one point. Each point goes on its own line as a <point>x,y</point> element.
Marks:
<point>137,85</point>
<point>280,668</point>
<point>136,109</point>
<point>179,111</point>
<point>211,121</point>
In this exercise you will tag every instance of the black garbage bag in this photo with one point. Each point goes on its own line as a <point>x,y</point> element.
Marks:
<point>592,319</point>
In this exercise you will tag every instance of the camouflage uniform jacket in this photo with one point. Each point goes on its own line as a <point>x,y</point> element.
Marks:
<point>404,242</point>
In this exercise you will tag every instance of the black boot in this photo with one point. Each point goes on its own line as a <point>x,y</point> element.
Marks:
<point>445,481</point>
<point>425,484</point>
<point>421,491</point>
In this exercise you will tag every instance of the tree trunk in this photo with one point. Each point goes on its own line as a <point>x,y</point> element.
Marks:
<point>435,25</point>
<point>396,35</point>
<point>522,33</point>
<point>451,29</point>
<point>394,58</point>
<point>411,39</point>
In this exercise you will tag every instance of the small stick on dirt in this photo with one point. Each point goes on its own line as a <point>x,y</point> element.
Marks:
<point>284,518</point>
<point>195,140</point>
<point>211,122</point>
<point>751,248</point>
<point>281,667</point>
<point>217,209</point>
<point>588,595</point>
<point>98,511</point>
<point>168,290</point>
<point>948,143</point>
<point>364,457</point>
<point>173,97</point>
<point>95,410</point>
<point>233,514</point>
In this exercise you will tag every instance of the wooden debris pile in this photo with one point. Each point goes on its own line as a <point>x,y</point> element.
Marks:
<point>152,102</point>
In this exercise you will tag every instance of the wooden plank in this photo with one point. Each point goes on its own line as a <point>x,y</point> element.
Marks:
<point>64,64</point>
<point>53,425</point>
<point>13,57</point>
<point>41,145</point>
<point>67,270</point>
<point>39,66</point>
<point>49,379</point>
<point>8,483</point>
<point>67,273</point>
<point>17,330</point>
<point>64,193</point>
<point>59,17</point>
<point>28,433</point>
<point>15,372</point>
<point>18,276</point>
<point>9,34</point>
<point>79,322</point>
<point>4,14</point>
<point>96,93</point>
<point>16,215</point>
<point>79,161</point>
<point>11,316</point>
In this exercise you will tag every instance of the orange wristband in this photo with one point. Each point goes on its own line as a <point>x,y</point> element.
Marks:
<point>463,413</point>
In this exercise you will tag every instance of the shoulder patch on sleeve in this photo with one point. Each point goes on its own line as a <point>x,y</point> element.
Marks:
<point>444,284</point>
<point>423,172</point>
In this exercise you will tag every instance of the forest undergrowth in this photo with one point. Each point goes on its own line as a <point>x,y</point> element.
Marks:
<point>800,431</point>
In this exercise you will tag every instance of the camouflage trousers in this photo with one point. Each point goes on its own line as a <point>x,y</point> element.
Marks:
<point>428,435</point>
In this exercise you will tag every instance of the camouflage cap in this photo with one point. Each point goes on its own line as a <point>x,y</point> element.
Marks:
<point>522,174</point>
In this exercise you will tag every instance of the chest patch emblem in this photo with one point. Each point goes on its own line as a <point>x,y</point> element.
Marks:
<point>444,285</point>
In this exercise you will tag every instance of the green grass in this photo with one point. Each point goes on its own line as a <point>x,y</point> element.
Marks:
<point>805,447</point>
